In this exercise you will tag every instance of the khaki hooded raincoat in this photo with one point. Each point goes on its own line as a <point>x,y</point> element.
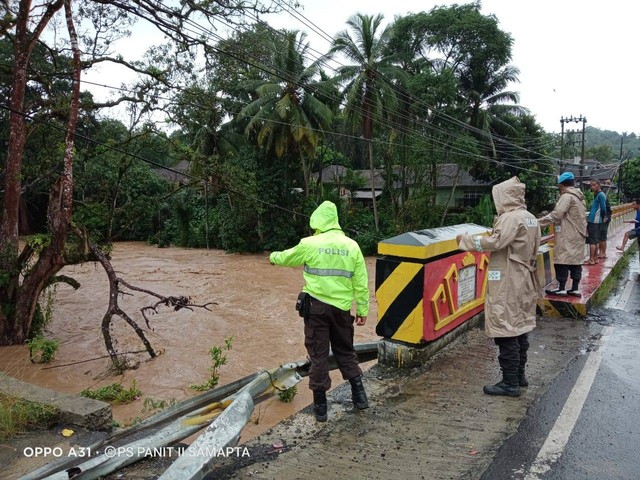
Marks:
<point>512,289</point>
<point>570,219</point>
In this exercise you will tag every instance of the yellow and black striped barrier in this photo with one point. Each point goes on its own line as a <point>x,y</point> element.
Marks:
<point>425,287</point>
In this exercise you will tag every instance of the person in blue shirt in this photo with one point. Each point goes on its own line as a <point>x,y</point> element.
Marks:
<point>635,232</point>
<point>597,215</point>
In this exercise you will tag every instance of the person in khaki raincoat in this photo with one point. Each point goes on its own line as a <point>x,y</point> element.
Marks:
<point>570,219</point>
<point>512,291</point>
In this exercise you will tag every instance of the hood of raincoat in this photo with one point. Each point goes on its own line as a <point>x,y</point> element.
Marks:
<point>575,192</point>
<point>325,218</point>
<point>509,195</point>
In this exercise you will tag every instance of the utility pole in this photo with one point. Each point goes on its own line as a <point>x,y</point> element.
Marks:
<point>562,120</point>
<point>573,119</point>
<point>620,169</point>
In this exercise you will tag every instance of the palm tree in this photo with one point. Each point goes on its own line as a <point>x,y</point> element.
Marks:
<point>286,117</point>
<point>489,103</point>
<point>368,82</point>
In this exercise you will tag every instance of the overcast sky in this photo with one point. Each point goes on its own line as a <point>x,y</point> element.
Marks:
<point>575,57</point>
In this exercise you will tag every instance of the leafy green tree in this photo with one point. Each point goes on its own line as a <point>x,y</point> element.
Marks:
<point>602,153</point>
<point>102,21</point>
<point>116,192</point>
<point>243,57</point>
<point>368,81</point>
<point>523,150</point>
<point>630,173</point>
<point>477,51</point>
<point>287,118</point>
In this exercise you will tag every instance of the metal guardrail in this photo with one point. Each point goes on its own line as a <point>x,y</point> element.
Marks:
<point>235,403</point>
<point>619,212</point>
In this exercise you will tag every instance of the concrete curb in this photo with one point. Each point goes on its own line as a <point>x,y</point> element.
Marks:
<point>399,355</point>
<point>75,410</point>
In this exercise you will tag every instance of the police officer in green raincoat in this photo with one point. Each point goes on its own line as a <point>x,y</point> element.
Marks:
<point>335,274</point>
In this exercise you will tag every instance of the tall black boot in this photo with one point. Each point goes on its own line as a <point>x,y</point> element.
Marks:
<point>522,379</point>
<point>320,405</point>
<point>358,394</point>
<point>508,386</point>
<point>509,359</point>
<point>523,340</point>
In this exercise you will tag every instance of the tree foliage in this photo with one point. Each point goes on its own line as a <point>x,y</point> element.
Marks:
<point>630,173</point>
<point>253,115</point>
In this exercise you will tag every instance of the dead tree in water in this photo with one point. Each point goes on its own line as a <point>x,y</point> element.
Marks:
<point>116,288</point>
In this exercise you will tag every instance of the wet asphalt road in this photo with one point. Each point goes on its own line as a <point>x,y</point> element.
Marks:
<point>587,424</point>
<point>579,418</point>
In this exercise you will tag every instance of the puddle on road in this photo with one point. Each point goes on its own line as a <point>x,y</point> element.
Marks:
<point>618,298</point>
<point>621,355</point>
<point>255,307</point>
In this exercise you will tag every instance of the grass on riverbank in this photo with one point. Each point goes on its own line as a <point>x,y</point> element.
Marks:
<point>18,416</point>
<point>613,279</point>
<point>114,393</point>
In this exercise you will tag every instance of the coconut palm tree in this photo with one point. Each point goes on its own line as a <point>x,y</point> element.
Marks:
<point>368,82</point>
<point>489,103</point>
<point>287,118</point>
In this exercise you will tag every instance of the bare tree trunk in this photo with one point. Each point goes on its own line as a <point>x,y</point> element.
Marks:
<point>434,182</point>
<point>16,325</point>
<point>456,179</point>
<point>305,175</point>
<point>367,130</point>
<point>10,283</point>
<point>114,309</point>
<point>373,187</point>
<point>206,213</point>
<point>17,138</point>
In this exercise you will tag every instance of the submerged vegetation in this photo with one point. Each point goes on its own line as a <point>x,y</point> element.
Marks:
<point>114,393</point>
<point>288,394</point>
<point>42,350</point>
<point>218,354</point>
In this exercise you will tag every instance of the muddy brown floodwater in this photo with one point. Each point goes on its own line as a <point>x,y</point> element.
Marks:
<point>255,303</point>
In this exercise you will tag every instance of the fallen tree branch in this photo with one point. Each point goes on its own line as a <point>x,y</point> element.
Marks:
<point>116,285</point>
<point>89,360</point>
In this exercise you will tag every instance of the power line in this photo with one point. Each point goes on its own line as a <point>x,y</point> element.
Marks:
<point>398,127</point>
<point>454,149</point>
<point>151,162</point>
<point>407,95</point>
<point>384,121</point>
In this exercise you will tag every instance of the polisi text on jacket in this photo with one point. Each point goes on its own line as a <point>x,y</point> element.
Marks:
<point>333,251</point>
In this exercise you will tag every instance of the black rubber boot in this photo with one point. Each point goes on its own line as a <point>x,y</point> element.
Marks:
<point>523,340</point>
<point>320,405</point>
<point>358,394</point>
<point>522,380</point>
<point>502,388</point>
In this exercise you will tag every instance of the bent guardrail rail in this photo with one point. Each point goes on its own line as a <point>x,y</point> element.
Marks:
<point>185,419</point>
<point>224,429</point>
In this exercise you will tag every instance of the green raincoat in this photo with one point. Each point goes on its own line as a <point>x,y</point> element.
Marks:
<point>334,268</point>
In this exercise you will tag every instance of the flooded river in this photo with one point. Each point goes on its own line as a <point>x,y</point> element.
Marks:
<point>255,306</point>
